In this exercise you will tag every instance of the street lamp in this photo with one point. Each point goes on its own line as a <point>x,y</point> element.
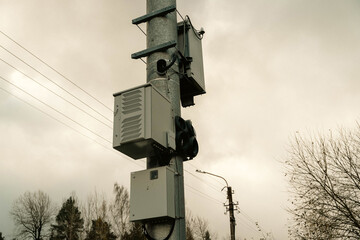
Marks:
<point>231,204</point>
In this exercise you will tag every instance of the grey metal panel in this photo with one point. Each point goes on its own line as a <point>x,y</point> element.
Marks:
<point>197,66</point>
<point>190,46</point>
<point>152,199</point>
<point>142,119</point>
<point>160,117</point>
<point>132,115</point>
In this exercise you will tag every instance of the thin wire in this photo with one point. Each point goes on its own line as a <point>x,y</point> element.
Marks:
<point>55,93</point>
<point>82,134</point>
<point>246,215</point>
<point>214,179</point>
<point>42,111</point>
<point>204,194</point>
<point>247,225</point>
<point>180,15</point>
<point>56,110</point>
<point>142,60</point>
<point>210,185</point>
<point>251,220</point>
<point>32,54</point>
<point>55,83</point>
<point>145,35</point>
<point>141,30</point>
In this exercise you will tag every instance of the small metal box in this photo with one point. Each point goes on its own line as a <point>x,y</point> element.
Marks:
<point>143,122</point>
<point>152,195</point>
<point>189,44</point>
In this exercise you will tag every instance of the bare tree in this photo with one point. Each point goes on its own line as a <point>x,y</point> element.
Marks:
<point>94,208</point>
<point>324,175</point>
<point>32,214</point>
<point>119,210</point>
<point>197,228</point>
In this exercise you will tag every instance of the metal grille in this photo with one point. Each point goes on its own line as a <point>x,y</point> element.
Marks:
<point>132,110</point>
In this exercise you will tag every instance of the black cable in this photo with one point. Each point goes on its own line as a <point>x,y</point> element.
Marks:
<point>162,67</point>
<point>196,32</point>
<point>173,60</point>
<point>147,235</point>
<point>32,54</point>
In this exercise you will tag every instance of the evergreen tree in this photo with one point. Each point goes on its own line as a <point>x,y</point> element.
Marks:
<point>69,222</point>
<point>207,235</point>
<point>1,236</point>
<point>100,230</point>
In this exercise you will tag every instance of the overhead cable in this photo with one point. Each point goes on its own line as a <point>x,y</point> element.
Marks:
<point>55,83</point>
<point>74,129</point>
<point>32,54</point>
<point>55,93</point>
<point>61,113</point>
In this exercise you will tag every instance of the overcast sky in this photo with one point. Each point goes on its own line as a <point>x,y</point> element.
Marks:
<point>272,68</point>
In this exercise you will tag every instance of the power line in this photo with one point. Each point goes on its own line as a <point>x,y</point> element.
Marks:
<point>196,167</point>
<point>32,54</point>
<point>55,93</point>
<point>54,118</point>
<point>246,216</point>
<point>56,110</point>
<point>202,180</point>
<point>204,194</point>
<point>251,220</point>
<point>55,83</point>
<point>247,225</point>
<point>47,114</point>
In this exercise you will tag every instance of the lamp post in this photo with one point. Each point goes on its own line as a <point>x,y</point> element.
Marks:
<point>231,204</point>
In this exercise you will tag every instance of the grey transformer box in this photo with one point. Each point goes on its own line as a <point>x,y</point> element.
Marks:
<point>152,196</point>
<point>192,82</point>
<point>143,122</point>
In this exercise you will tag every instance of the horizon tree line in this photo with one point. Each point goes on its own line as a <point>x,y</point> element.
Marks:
<point>36,217</point>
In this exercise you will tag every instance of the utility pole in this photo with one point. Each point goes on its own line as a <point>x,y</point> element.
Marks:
<point>231,211</point>
<point>160,30</point>
<point>229,207</point>
<point>148,123</point>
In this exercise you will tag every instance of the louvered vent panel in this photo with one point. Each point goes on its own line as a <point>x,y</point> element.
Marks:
<point>132,110</point>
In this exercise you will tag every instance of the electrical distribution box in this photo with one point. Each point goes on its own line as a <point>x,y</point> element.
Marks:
<point>192,80</point>
<point>143,122</point>
<point>152,195</point>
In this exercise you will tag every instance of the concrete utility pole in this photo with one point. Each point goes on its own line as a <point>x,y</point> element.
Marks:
<point>231,215</point>
<point>160,30</point>
<point>148,123</point>
<point>231,204</point>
